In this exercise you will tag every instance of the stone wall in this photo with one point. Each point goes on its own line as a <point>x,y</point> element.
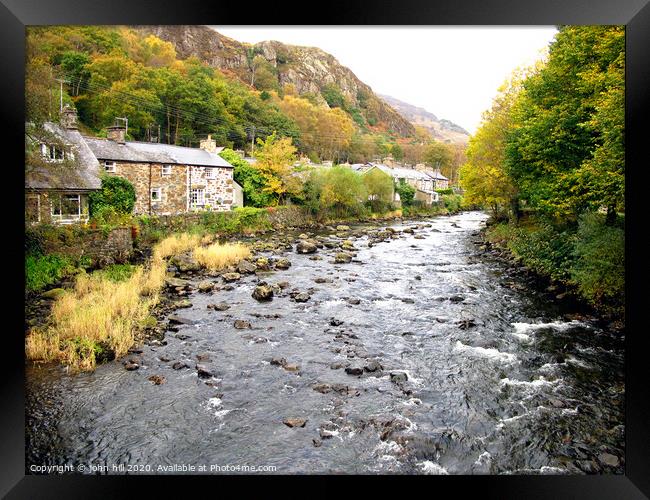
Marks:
<point>103,248</point>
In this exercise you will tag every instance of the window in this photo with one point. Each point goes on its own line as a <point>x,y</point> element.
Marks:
<point>156,194</point>
<point>210,173</point>
<point>166,170</point>
<point>52,152</point>
<point>109,166</point>
<point>197,198</point>
<point>68,208</point>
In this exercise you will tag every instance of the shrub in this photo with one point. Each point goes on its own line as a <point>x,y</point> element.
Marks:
<point>117,272</point>
<point>406,193</point>
<point>445,191</point>
<point>599,268</point>
<point>452,202</point>
<point>116,192</point>
<point>43,270</point>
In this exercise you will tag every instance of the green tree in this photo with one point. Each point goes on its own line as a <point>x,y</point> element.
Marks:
<point>380,189</point>
<point>116,194</point>
<point>439,155</point>
<point>343,191</point>
<point>249,178</point>
<point>406,193</point>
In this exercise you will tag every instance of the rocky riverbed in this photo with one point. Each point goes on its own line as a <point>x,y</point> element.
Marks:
<point>406,348</point>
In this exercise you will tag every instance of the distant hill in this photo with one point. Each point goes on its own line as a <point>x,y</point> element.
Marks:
<point>440,129</point>
<point>311,71</point>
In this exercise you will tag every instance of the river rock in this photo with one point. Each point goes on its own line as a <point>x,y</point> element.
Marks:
<point>205,286</point>
<point>342,228</point>
<point>301,297</point>
<point>291,368</point>
<point>336,322</point>
<point>185,263</point>
<point>179,365</point>
<point>609,459</point>
<point>240,324</point>
<point>283,284</point>
<point>182,304</point>
<point>342,258</point>
<point>373,366</point>
<point>262,292</point>
<point>456,298</point>
<point>157,379</point>
<point>306,246</point>
<point>347,245</point>
<point>230,277</point>
<point>221,306</point>
<point>398,377</point>
<point>246,267</point>
<point>131,366</point>
<point>354,301</point>
<point>262,264</point>
<point>179,320</point>
<point>354,370</point>
<point>322,388</point>
<point>278,361</point>
<point>177,283</point>
<point>283,264</point>
<point>295,422</point>
<point>204,372</point>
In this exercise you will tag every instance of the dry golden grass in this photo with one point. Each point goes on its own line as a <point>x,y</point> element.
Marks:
<point>175,245</point>
<point>216,257</point>
<point>103,314</point>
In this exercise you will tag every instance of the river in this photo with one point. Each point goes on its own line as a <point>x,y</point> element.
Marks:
<point>499,379</point>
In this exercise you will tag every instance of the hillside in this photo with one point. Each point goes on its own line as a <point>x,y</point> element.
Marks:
<point>271,65</point>
<point>440,129</point>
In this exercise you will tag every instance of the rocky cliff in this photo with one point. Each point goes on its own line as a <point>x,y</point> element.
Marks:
<point>309,70</point>
<point>440,129</point>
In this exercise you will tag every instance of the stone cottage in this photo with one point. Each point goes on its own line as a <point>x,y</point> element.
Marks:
<point>60,172</point>
<point>168,179</point>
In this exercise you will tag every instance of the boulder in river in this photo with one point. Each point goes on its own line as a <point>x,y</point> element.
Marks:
<point>278,361</point>
<point>306,246</point>
<point>342,258</point>
<point>157,379</point>
<point>177,283</point>
<point>354,370</point>
<point>301,297</point>
<point>204,372</point>
<point>398,377</point>
<point>205,286</point>
<point>221,306</point>
<point>354,301</point>
<point>241,324</point>
<point>185,263</point>
<point>230,277</point>
<point>262,292</point>
<point>53,294</point>
<point>263,264</point>
<point>179,365</point>
<point>295,422</point>
<point>283,264</point>
<point>130,366</point>
<point>179,320</point>
<point>246,267</point>
<point>373,366</point>
<point>342,228</point>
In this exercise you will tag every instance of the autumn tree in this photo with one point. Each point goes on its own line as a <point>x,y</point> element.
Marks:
<point>275,158</point>
<point>379,186</point>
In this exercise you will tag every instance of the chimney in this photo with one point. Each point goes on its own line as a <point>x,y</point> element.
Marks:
<point>116,133</point>
<point>209,144</point>
<point>69,117</point>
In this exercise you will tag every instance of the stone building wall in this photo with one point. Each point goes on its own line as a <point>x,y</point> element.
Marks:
<point>147,176</point>
<point>219,191</point>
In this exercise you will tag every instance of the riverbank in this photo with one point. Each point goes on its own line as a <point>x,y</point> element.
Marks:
<point>49,323</point>
<point>549,259</point>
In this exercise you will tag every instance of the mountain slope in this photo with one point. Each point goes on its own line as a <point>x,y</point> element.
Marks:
<point>440,129</point>
<point>309,70</point>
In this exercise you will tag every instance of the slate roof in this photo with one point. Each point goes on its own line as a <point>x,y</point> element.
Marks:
<point>153,152</point>
<point>83,178</point>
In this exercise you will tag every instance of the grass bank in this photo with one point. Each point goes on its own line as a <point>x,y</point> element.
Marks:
<point>98,319</point>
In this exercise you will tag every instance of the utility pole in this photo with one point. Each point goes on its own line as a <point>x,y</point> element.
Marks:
<point>61,82</point>
<point>252,140</point>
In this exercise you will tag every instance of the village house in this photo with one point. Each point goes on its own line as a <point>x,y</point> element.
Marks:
<point>439,180</point>
<point>167,179</point>
<point>62,173</point>
<point>423,183</point>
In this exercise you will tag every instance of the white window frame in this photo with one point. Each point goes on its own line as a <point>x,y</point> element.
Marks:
<point>197,197</point>
<point>67,218</point>
<point>48,149</point>
<point>210,173</point>
<point>165,170</point>
<point>110,166</point>
<point>159,193</point>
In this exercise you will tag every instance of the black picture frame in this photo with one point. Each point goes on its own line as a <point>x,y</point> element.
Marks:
<point>634,14</point>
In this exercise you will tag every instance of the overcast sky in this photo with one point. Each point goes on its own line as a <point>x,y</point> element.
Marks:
<point>453,72</point>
